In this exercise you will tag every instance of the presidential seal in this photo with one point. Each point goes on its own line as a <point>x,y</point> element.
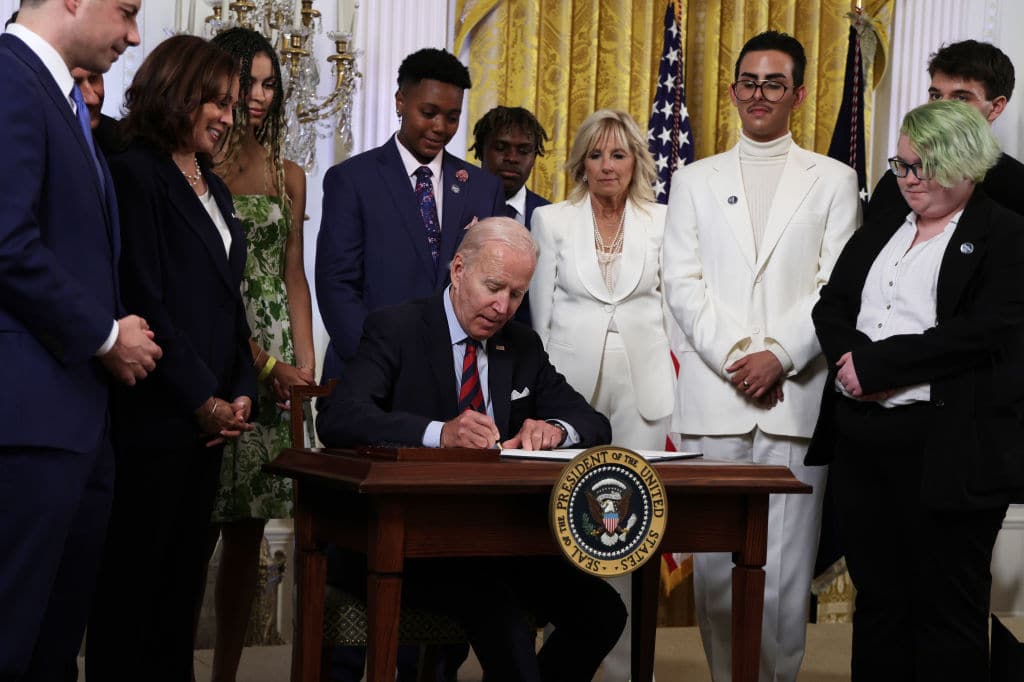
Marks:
<point>608,511</point>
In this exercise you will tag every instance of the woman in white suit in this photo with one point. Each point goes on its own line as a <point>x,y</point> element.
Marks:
<point>596,295</point>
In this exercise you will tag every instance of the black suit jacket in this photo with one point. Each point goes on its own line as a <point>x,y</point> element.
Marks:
<point>177,276</point>
<point>973,358</point>
<point>1004,184</point>
<point>403,377</point>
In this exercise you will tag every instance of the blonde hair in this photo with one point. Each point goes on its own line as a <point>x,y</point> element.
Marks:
<point>617,125</point>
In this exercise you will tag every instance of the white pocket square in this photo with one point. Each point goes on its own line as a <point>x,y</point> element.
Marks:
<point>516,395</point>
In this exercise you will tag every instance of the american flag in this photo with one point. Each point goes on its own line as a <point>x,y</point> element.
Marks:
<point>668,133</point>
<point>848,136</point>
<point>671,144</point>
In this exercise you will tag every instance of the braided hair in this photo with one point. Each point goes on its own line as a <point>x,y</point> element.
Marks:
<point>244,44</point>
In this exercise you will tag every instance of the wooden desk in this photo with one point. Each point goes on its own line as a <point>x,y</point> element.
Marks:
<point>391,510</point>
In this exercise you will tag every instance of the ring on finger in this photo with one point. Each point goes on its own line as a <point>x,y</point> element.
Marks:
<point>746,384</point>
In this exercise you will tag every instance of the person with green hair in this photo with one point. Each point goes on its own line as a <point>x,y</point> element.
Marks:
<point>922,324</point>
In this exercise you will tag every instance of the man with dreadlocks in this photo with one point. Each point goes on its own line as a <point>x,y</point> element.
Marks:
<point>507,141</point>
<point>269,193</point>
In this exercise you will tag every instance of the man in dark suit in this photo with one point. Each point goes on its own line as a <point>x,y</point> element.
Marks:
<point>507,142</point>
<point>393,216</point>
<point>981,75</point>
<point>104,128</point>
<point>59,330</point>
<point>417,366</point>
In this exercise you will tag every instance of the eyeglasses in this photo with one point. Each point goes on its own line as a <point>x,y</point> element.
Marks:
<point>745,90</point>
<point>900,168</point>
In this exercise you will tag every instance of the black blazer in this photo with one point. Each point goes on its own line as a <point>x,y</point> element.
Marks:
<point>1004,184</point>
<point>403,377</point>
<point>175,274</point>
<point>973,358</point>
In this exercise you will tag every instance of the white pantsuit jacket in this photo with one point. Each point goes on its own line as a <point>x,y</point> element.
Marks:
<point>730,302</point>
<point>572,308</point>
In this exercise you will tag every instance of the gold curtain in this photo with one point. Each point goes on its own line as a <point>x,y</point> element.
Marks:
<point>563,59</point>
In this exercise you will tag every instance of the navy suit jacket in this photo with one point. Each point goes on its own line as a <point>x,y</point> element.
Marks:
<point>59,245</point>
<point>533,200</point>
<point>403,377</point>
<point>973,358</point>
<point>372,247</point>
<point>177,276</point>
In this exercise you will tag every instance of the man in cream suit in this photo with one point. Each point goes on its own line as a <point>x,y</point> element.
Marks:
<point>751,236</point>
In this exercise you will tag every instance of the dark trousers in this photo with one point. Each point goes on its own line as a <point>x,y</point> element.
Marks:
<point>922,575</point>
<point>154,565</point>
<point>54,505</point>
<point>500,602</point>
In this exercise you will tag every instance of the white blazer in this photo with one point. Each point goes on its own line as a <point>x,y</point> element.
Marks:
<point>572,309</point>
<point>730,303</point>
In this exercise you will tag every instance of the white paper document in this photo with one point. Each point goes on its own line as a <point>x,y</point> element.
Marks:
<point>568,453</point>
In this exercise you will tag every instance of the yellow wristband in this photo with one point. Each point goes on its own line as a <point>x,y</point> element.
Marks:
<point>265,372</point>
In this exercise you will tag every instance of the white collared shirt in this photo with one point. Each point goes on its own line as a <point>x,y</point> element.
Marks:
<point>412,165</point>
<point>50,58</point>
<point>900,293</point>
<point>518,202</point>
<point>61,74</point>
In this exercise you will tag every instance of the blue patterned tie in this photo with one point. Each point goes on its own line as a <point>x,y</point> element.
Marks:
<point>428,210</point>
<point>82,112</point>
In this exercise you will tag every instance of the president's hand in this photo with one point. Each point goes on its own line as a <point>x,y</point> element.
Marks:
<point>536,435</point>
<point>755,374</point>
<point>470,429</point>
<point>134,354</point>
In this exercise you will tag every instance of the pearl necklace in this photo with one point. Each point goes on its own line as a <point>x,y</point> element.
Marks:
<point>193,180</point>
<point>606,253</point>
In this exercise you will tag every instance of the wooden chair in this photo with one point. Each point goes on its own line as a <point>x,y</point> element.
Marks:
<point>345,621</point>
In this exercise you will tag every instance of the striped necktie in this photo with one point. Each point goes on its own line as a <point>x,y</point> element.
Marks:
<point>470,395</point>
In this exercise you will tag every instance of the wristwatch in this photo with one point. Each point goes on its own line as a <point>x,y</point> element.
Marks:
<point>561,427</point>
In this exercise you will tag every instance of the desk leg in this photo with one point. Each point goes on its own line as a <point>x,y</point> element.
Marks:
<point>644,619</point>
<point>384,590</point>
<point>311,581</point>
<point>748,593</point>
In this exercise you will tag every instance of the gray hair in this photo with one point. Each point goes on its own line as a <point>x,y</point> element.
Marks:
<point>497,229</point>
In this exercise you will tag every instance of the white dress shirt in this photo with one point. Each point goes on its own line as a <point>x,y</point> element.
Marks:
<point>518,202</point>
<point>412,165</point>
<point>900,293</point>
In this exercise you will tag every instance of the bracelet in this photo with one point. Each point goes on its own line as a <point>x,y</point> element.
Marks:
<point>267,368</point>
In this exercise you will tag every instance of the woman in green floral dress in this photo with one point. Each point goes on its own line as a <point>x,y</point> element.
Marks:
<point>277,303</point>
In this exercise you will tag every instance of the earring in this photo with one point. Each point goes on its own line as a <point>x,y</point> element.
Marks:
<point>585,179</point>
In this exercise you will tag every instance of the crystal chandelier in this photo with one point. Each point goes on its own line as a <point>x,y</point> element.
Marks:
<point>292,25</point>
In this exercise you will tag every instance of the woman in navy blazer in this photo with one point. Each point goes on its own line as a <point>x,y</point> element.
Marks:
<point>182,260</point>
<point>922,323</point>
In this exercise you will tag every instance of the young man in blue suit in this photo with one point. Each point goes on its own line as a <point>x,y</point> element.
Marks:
<point>62,334</point>
<point>393,216</point>
<point>392,219</point>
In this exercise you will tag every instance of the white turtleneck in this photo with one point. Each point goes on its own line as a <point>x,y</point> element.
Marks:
<point>761,165</point>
